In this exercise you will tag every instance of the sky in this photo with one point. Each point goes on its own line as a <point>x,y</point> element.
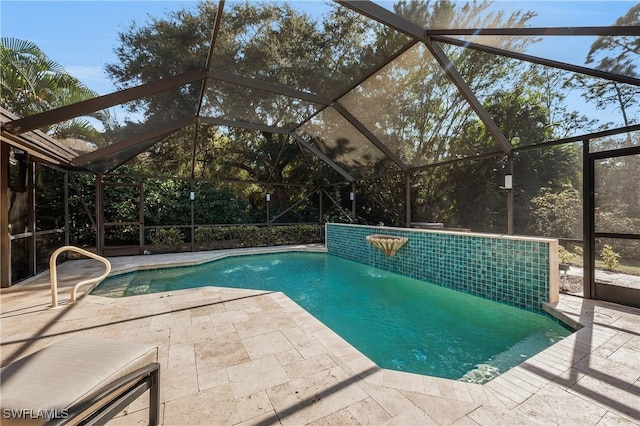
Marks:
<point>81,35</point>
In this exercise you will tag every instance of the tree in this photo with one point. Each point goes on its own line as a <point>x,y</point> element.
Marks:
<point>33,83</point>
<point>618,55</point>
<point>274,43</point>
<point>558,214</point>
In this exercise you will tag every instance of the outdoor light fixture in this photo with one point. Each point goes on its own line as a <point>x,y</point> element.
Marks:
<point>352,196</point>
<point>508,181</point>
<point>192,195</point>
<point>268,197</point>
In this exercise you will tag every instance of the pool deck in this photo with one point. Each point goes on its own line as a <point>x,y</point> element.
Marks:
<point>232,356</point>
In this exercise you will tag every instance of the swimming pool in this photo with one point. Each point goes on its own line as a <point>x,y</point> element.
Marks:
<point>400,323</point>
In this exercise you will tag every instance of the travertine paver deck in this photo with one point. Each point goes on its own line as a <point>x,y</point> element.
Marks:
<point>232,356</point>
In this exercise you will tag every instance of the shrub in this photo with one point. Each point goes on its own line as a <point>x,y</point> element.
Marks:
<point>558,214</point>
<point>167,239</point>
<point>610,258</point>
<point>254,236</point>
<point>565,255</point>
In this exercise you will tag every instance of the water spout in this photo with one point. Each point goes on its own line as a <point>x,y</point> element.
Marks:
<point>387,243</point>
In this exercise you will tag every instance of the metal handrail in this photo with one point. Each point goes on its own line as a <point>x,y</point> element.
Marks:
<point>53,273</point>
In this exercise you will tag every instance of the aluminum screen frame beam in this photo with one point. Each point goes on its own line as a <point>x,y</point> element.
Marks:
<point>89,106</point>
<point>131,142</point>
<point>392,20</point>
<point>40,148</point>
<point>370,136</point>
<point>364,78</point>
<point>538,60</point>
<point>203,84</point>
<point>468,94</point>
<point>273,129</point>
<point>629,30</point>
<point>243,125</point>
<point>268,87</point>
<point>323,157</point>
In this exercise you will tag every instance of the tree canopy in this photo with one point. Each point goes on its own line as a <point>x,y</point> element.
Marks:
<point>33,83</point>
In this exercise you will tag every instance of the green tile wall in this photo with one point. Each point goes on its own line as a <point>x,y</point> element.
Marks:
<point>511,271</point>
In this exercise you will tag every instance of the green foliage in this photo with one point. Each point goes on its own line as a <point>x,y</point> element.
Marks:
<point>618,55</point>
<point>610,258</point>
<point>49,209</point>
<point>32,83</point>
<point>558,214</point>
<point>565,255</point>
<point>206,238</point>
<point>166,240</point>
<point>218,205</point>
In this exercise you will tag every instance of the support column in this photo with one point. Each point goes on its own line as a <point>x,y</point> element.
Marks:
<point>99,216</point>
<point>353,201</point>
<point>192,198</point>
<point>5,244</point>
<point>321,190</point>
<point>268,197</point>
<point>588,223</point>
<point>31,188</point>
<point>67,219</point>
<point>510,197</point>
<point>141,218</point>
<point>407,199</point>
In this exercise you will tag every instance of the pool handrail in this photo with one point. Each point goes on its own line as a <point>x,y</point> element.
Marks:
<point>53,273</point>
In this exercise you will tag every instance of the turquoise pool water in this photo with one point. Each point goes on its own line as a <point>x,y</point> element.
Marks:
<point>400,323</point>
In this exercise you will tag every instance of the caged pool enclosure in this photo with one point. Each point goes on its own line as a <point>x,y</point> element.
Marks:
<point>256,124</point>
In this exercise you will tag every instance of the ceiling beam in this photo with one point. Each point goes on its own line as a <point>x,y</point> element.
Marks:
<point>323,157</point>
<point>203,84</point>
<point>278,89</point>
<point>538,60</point>
<point>364,78</point>
<point>370,136</point>
<point>384,16</point>
<point>273,129</point>
<point>117,147</point>
<point>243,125</point>
<point>580,138</point>
<point>40,148</point>
<point>89,106</point>
<point>206,180</point>
<point>392,20</point>
<point>539,31</point>
<point>103,164</point>
<point>477,157</point>
<point>468,94</point>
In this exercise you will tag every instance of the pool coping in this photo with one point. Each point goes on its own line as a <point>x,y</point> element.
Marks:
<point>168,261</point>
<point>555,365</point>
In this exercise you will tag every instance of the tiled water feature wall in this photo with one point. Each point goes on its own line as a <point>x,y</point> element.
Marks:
<point>518,271</point>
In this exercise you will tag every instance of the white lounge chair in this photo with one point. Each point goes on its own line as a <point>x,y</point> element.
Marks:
<point>79,381</point>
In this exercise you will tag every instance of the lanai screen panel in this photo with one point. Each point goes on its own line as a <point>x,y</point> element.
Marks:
<point>622,140</point>
<point>417,112</point>
<point>507,13</point>
<point>317,47</point>
<point>572,50</point>
<point>139,124</point>
<point>169,156</point>
<point>235,102</point>
<point>255,156</point>
<point>172,39</point>
<point>534,103</point>
<point>341,142</point>
<point>462,195</point>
